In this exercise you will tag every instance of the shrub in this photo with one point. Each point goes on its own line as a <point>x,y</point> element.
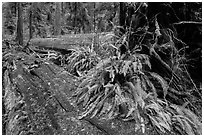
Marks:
<point>122,88</point>
<point>81,60</point>
<point>125,86</point>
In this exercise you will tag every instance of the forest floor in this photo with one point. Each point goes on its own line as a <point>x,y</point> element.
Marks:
<point>37,99</point>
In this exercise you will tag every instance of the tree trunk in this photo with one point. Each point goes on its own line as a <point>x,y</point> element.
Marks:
<point>67,42</point>
<point>19,36</point>
<point>122,15</point>
<point>62,7</point>
<point>75,18</point>
<point>57,24</point>
<point>30,22</point>
<point>48,110</point>
<point>94,18</point>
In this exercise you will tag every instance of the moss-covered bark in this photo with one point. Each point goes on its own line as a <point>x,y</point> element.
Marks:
<point>38,101</point>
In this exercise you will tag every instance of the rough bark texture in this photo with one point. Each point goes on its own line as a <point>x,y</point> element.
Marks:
<point>57,25</point>
<point>37,100</point>
<point>68,42</point>
<point>122,16</point>
<point>75,17</point>
<point>30,23</point>
<point>20,25</point>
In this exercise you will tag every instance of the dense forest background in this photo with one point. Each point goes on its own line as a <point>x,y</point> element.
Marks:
<point>72,17</point>
<point>139,62</point>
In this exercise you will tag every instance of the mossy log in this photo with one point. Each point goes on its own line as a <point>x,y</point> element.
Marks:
<point>38,100</point>
<point>67,42</point>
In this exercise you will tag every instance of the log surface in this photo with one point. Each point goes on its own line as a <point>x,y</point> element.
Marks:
<point>67,42</point>
<point>38,100</point>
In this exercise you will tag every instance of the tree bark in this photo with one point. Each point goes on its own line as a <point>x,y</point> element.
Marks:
<point>122,16</point>
<point>30,22</point>
<point>67,42</point>
<point>57,24</point>
<point>38,102</point>
<point>19,36</point>
<point>75,17</point>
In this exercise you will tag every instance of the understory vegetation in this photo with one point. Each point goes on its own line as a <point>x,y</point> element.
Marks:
<point>137,73</point>
<point>126,86</point>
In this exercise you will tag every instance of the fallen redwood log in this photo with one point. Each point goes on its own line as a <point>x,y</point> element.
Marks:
<point>37,99</point>
<point>67,42</point>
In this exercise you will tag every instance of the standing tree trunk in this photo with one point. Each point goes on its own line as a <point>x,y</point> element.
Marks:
<point>19,36</point>
<point>30,22</point>
<point>63,20</point>
<point>75,18</point>
<point>57,23</point>
<point>122,16</point>
<point>96,37</point>
<point>62,7</point>
<point>94,23</point>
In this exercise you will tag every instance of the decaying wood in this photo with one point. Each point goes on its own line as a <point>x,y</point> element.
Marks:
<point>38,100</point>
<point>68,42</point>
<point>32,98</point>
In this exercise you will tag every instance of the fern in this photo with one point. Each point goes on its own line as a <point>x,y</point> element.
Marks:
<point>188,121</point>
<point>82,59</point>
<point>125,86</point>
<point>161,81</point>
<point>103,93</point>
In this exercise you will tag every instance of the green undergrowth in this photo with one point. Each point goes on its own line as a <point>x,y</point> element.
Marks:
<point>81,60</point>
<point>127,86</point>
<point>121,88</point>
<point>122,80</point>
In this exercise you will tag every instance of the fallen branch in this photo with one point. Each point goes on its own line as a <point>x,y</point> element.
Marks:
<point>188,22</point>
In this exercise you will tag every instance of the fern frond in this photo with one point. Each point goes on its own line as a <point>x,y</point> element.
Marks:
<point>151,85</point>
<point>188,128</point>
<point>163,83</point>
<point>91,108</point>
<point>90,92</point>
<point>125,67</point>
<point>184,124</point>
